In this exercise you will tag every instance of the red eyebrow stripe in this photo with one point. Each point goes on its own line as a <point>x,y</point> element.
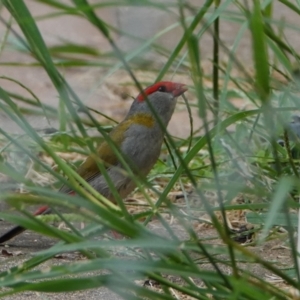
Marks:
<point>154,87</point>
<point>148,91</point>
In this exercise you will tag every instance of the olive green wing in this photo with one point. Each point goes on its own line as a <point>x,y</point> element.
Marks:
<point>89,169</point>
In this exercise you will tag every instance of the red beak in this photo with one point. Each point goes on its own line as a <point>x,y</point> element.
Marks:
<point>179,89</point>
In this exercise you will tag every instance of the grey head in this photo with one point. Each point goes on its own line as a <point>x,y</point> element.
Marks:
<point>161,97</point>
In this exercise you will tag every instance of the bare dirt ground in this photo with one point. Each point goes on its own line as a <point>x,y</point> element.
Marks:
<point>105,95</point>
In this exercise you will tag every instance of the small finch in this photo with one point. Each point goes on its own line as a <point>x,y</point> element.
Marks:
<point>139,138</point>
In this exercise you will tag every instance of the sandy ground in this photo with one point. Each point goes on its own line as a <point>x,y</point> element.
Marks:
<point>104,94</point>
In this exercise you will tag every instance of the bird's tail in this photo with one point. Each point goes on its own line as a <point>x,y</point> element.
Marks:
<point>19,229</point>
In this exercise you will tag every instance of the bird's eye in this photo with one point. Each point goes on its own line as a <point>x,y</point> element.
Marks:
<point>162,88</point>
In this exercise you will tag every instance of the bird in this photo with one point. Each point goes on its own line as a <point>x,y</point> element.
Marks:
<point>139,138</point>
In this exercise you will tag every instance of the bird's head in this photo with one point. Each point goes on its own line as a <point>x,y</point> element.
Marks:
<point>162,97</point>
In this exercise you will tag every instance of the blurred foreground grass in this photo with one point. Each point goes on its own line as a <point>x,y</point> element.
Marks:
<point>207,183</point>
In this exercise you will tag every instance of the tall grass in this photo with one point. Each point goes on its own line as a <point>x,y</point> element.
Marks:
<point>247,162</point>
